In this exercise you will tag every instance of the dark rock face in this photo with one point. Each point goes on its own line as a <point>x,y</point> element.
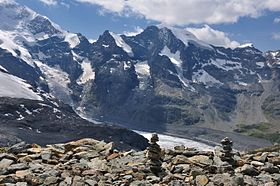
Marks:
<point>46,122</point>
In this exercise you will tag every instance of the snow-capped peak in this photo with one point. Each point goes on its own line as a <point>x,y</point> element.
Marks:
<point>246,45</point>
<point>13,15</point>
<point>187,37</point>
<point>121,43</point>
<point>72,39</point>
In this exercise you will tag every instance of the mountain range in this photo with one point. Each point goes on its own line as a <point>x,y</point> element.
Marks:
<point>163,79</point>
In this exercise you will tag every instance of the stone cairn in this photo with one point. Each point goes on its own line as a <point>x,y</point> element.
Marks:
<point>227,154</point>
<point>154,155</point>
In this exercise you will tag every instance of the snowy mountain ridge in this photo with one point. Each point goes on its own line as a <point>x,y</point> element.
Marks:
<point>162,78</point>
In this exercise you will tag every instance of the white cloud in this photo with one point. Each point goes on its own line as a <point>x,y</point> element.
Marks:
<point>116,6</point>
<point>214,37</point>
<point>49,2</point>
<point>277,20</point>
<point>276,36</point>
<point>182,12</point>
<point>137,30</point>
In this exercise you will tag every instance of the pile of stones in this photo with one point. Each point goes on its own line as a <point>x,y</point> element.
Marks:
<point>92,162</point>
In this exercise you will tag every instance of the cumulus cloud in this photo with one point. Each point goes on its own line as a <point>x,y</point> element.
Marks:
<point>137,30</point>
<point>49,2</point>
<point>214,37</point>
<point>182,12</point>
<point>116,6</point>
<point>277,20</point>
<point>276,36</point>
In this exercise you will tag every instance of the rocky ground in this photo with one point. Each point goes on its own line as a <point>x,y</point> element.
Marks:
<point>92,162</point>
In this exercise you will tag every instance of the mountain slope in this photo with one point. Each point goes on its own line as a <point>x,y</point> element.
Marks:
<point>163,79</point>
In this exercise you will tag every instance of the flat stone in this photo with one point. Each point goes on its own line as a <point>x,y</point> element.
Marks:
<point>97,164</point>
<point>140,183</point>
<point>4,163</point>
<point>21,184</point>
<point>201,180</point>
<point>51,180</point>
<point>269,184</point>
<point>113,156</point>
<point>46,155</point>
<point>261,158</point>
<point>196,171</point>
<point>257,163</point>
<point>201,160</point>
<point>91,182</point>
<point>90,172</point>
<point>128,177</point>
<point>22,173</point>
<point>180,159</point>
<point>8,156</point>
<point>87,155</point>
<point>249,170</point>
<point>34,150</point>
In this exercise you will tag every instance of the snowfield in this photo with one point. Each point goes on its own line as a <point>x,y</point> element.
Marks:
<point>14,87</point>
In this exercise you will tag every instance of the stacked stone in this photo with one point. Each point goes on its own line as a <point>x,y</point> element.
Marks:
<point>154,155</point>
<point>227,154</point>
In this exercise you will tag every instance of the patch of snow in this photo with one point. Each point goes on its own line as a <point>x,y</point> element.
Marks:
<point>38,131</point>
<point>222,53</point>
<point>55,110</point>
<point>274,54</point>
<point>176,60</point>
<point>2,68</point>
<point>186,37</point>
<point>42,56</point>
<point>169,142</point>
<point>126,65</point>
<point>88,72</point>
<point>106,46</point>
<point>120,42</point>
<point>44,105</point>
<point>203,77</point>
<point>26,110</point>
<point>92,41</point>
<point>142,68</point>
<point>242,83</point>
<point>21,117</point>
<point>225,64</point>
<point>246,45</point>
<point>11,86</point>
<point>76,57</point>
<point>143,73</point>
<point>260,64</point>
<point>58,81</point>
<point>72,39</point>
<point>7,42</point>
<point>112,70</point>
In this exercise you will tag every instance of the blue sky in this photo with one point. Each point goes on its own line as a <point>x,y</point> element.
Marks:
<point>226,23</point>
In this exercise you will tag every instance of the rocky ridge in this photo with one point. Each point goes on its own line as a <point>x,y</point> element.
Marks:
<point>92,162</point>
